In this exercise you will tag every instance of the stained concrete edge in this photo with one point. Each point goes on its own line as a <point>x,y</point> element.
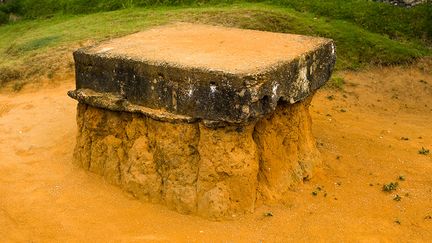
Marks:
<point>170,92</point>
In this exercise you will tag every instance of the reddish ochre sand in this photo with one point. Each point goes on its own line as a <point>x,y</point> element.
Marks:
<point>43,197</point>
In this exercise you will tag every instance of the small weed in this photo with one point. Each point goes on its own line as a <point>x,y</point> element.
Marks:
<point>428,217</point>
<point>18,86</point>
<point>422,81</point>
<point>330,97</point>
<point>268,214</point>
<point>397,221</point>
<point>423,151</point>
<point>314,193</point>
<point>401,177</point>
<point>336,83</point>
<point>343,110</point>
<point>50,74</point>
<point>390,186</point>
<point>397,198</point>
<point>404,138</point>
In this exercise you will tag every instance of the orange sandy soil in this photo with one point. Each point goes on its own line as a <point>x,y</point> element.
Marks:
<point>43,197</point>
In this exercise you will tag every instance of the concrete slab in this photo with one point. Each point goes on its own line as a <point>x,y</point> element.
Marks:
<point>192,72</point>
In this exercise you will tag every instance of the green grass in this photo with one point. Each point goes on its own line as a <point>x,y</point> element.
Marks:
<point>41,46</point>
<point>396,22</point>
<point>16,49</point>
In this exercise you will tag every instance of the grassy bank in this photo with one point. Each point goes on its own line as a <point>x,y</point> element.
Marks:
<point>42,46</point>
<point>396,22</point>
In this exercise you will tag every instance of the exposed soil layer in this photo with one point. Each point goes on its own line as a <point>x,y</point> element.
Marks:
<point>45,198</point>
<point>213,172</point>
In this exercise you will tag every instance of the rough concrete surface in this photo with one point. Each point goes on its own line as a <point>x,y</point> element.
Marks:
<point>192,71</point>
<point>191,168</point>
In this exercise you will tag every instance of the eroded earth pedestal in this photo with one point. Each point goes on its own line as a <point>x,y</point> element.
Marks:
<point>206,120</point>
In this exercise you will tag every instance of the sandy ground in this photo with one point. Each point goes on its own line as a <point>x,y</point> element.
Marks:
<point>44,198</point>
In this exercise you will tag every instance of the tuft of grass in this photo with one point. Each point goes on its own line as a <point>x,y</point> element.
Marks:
<point>390,186</point>
<point>423,151</point>
<point>397,198</point>
<point>17,86</point>
<point>336,82</point>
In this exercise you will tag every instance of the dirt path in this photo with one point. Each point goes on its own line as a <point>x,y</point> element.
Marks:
<point>43,197</point>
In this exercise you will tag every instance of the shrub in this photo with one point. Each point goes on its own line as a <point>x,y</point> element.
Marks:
<point>4,17</point>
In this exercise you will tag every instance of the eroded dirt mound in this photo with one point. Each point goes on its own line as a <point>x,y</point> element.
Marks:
<point>214,172</point>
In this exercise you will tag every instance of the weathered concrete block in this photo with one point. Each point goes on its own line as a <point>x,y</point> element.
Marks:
<point>197,72</point>
<point>206,120</point>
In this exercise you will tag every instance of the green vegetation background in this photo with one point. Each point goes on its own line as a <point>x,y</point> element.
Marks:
<point>40,32</point>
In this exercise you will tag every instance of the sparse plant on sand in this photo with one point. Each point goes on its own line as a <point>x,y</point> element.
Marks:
<point>390,186</point>
<point>423,151</point>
